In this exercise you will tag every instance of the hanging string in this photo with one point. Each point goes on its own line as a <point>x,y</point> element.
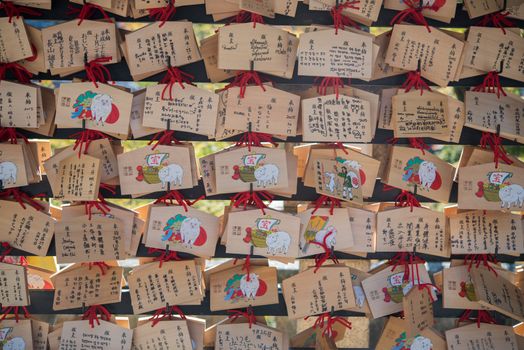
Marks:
<point>100,204</point>
<point>326,201</point>
<point>12,10</point>
<point>339,146</point>
<point>11,135</point>
<point>100,264</point>
<point>410,261</point>
<point>339,20</point>
<point>96,72</point>
<point>486,260</point>
<point>35,54</point>
<point>483,316</point>
<point>5,250</point>
<point>244,78</point>
<point>165,256</point>
<point>163,14</point>
<point>23,198</point>
<point>166,313</point>
<point>325,83</point>
<point>415,81</point>
<point>95,313</point>
<point>20,72</point>
<point>414,11</point>
<point>249,315</point>
<point>252,199</point>
<point>328,253</point>
<point>491,84</point>
<point>84,138</point>
<point>254,139</point>
<point>245,16</point>
<point>174,76</point>
<point>164,138</point>
<point>86,11</point>
<point>497,20</point>
<point>328,320</point>
<point>15,310</point>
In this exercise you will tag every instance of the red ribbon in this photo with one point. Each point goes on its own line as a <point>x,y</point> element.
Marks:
<point>249,315</point>
<point>174,197</point>
<point>11,10</point>
<point>407,199</point>
<point>166,313</point>
<point>6,249</point>
<point>324,200</point>
<point>414,12</point>
<point>84,139</point>
<point>320,259</point>
<point>254,198</point>
<point>429,287</point>
<point>245,16</point>
<point>21,73</point>
<point>410,262</point>
<point>15,310</point>
<point>475,260</point>
<point>163,14</point>
<point>165,138</point>
<point>415,81</point>
<point>11,135</point>
<point>174,76</point>
<point>87,11</point>
<point>166,256</point>
<point>96,312</point>
<point>418,143</point>
<point>498,19</point>
<point>337,146</point>
<point>495,143</point>
<point>97,72</point>
<point>327,82</point>
<point>100,264</point>
<point>254,139</point>
<point>101,203</point>
<point>328,320</point>
<point>22,198</point>
<point>491,84</point>
<point>339,20</point>
<point>244,78</point>
<point>483,316</point>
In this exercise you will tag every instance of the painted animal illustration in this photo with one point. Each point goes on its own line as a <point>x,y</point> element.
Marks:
<point>239,288</point>
<point>420,172</point>
<point>278,242</point>
<point>329,234</point>
<point>427,174</point>
<point>250,288</point>
<point>511,195</point>
<point>360,297</point>
<point>353,164</point>
<point>10,343</point>
<point>189,230</point>
<point>330,181</point>
<point>266,175</point>
<point>98,107</point>
<point>8,172</point>
<point>171,174</point>
<point>184,229</point>
<point>350,181</point>
<point>416,343</point>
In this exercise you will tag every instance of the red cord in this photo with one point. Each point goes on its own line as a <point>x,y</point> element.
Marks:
<point>174,76</point>
<point>166,313</point>
<point>483,316</point>
<point>96,312</point>
<point>339,20</point>
<point>414,12</point>
<point>15,310</point>
<point>163,14</point>
<point>84,139</point>
<point>249,315</point>
<point>100,264</point>
<point>498,20</point>
<point>86,11</point>
<point>21,73</point>
<point>11,10</point>
<point>23,198</point>
<point>97,72</point>
<point>415,81</point>
<point>254,139</point>
<point>327,82</point>
<point>245,16</point>
<point>328,320</point>
<point>11,135</point>
<point>475,260</point>
<point>166,256</point>
<point>255,198</point>
<point>320,259</point>
<point>100,203</point>
<point>324,200</point>
<point>6,249</point>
